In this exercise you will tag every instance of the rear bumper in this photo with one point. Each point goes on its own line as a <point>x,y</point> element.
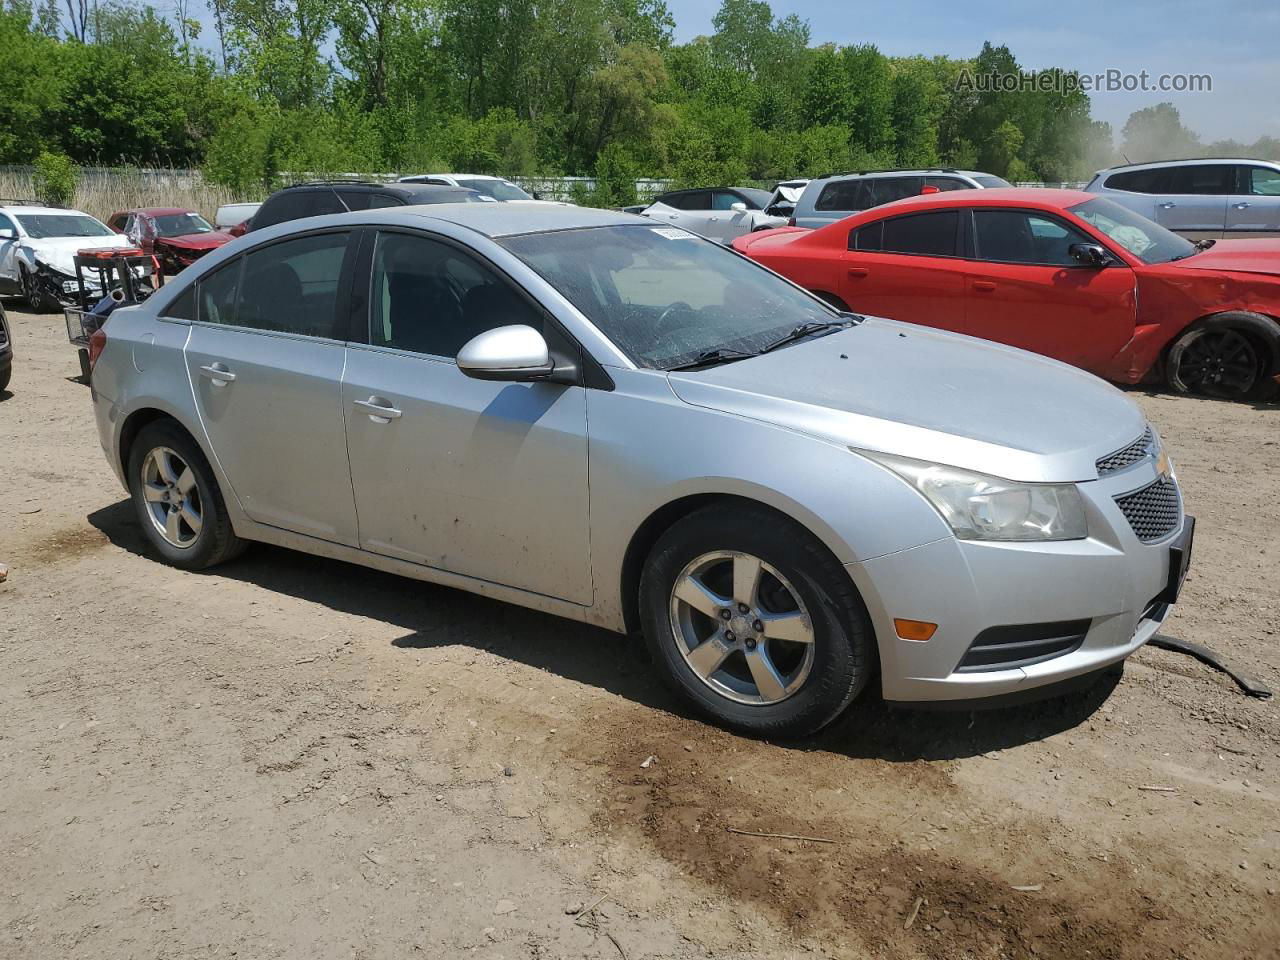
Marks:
<point>1107,588</point>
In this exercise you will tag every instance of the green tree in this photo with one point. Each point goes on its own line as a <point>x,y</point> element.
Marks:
<point>54,179</point>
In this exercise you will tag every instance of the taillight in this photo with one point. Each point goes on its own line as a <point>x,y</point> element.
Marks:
<point>97,342</point>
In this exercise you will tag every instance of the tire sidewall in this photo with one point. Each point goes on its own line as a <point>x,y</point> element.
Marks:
<point>1263,334</point>
<point>840,664</point>
<point>199,554</point>
<point>30,295</point>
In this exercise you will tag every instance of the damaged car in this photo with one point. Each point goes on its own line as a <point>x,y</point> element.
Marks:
<point>176,236</point>
<point>38,246</point>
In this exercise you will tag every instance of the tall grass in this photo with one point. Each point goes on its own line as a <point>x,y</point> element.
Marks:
<point>102,191</point>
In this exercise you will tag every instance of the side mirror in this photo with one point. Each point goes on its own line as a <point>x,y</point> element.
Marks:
<point>516,352</point>
<point>926,190</point>
<point>7,233</point>
<point>739,207</point>
<point>1089,254</point>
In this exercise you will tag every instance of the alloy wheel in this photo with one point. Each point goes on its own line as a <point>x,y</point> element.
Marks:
<point>33,298</point>
<point>172,497</point>
<point>1220,363</point>
<point>742,627</point>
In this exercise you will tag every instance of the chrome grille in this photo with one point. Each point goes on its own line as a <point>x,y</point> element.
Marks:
<point>1127,456</point>
<point>1153,511</point>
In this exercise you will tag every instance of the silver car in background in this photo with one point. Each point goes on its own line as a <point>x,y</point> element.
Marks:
<point>1201,199</point>
<point>613,420</point>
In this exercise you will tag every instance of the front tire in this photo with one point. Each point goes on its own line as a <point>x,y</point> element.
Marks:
<point>1232,356</point>
<point>754,623</point>
<point>30,292</point>
<point>177,499</point>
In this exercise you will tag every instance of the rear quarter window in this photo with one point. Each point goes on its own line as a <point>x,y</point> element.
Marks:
<point>842,195</point>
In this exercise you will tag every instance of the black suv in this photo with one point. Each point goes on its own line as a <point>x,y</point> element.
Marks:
<point>317,198</point>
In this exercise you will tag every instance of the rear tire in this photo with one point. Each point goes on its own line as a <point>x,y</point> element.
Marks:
<point>177,499</point>
<point>1232,356</point>
<point>782,661</point>
<point>5,376</point>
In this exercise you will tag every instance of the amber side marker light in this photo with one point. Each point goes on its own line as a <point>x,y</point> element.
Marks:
<point>914,629</point>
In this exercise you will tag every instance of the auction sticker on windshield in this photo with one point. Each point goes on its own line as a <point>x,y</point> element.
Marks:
<point>674,233</point>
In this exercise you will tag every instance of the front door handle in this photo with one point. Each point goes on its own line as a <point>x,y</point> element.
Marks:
<point>1242,205</point>
<point>986,286</point>
<point>218,373</point>
<point>1166,205</point>
<point>379,410</point>
<point>857,273</point>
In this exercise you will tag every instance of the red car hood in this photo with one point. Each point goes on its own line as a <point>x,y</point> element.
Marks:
<point>1238,256</point>
<point>196,241</point>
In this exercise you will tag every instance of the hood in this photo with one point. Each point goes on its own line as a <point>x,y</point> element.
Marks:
<point>60,252</point>
<point>196,241</point>
<point>1237,256</point>
<point>942,397</point>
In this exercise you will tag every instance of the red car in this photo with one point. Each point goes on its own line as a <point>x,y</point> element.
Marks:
<point>1067,274</point>
<point>177,236</point>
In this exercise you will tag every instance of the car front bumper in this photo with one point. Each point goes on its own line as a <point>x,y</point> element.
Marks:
<point>1107,595</point>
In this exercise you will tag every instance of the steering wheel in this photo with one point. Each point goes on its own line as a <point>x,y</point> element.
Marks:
<point>664,319</point>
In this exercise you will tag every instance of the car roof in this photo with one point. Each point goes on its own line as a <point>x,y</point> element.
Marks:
<point>155,211</point>
<point>914,172</point>
<point>1187,162</point>
<point>509,219</point>
<point>21,208</point>
<point>990,197</point>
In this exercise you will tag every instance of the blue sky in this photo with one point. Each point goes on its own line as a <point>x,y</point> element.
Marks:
<point>1233,41</point>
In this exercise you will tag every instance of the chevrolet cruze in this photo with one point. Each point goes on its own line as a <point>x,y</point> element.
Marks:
<point>616,421</point>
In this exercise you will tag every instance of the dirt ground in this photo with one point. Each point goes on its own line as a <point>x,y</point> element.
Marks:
<point>291,757</point>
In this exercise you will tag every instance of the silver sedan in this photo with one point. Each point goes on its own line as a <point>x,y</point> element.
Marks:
<point>619,422</point>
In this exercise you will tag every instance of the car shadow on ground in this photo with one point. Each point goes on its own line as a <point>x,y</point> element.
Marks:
<point>435,616</point>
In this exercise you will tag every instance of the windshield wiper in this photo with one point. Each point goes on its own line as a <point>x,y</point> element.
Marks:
<point>805,330</point>
<point>711,358</point>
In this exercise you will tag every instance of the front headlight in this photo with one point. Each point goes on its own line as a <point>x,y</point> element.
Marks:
<point>978,507</point>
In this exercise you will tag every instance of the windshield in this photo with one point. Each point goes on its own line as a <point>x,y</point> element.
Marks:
<point>181,224</point>
<point>1148,241</point>
<point>665,296</point>
<point>498,189</point>
<point>760,198</point>
<point>41,226</point>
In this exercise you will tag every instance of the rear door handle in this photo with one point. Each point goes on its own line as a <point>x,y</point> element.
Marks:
<point>1166,205</point>
<point>379,410</point>
<point>986,286</point>
<point>858,272</point>
<point>1242,205</point>
<point>218,373</point>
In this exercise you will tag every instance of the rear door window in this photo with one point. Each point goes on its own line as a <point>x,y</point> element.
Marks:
<point>1200,180</point>
<point>888,189</point>
<point>922,234</point>
<point>292,286</point>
